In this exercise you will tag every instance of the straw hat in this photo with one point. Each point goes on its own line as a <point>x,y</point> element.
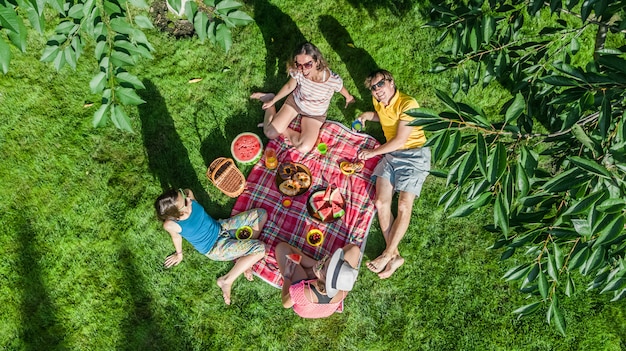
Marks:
<point>340,275</point>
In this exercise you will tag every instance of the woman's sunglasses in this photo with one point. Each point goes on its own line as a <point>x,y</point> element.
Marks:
<point>304,65</point>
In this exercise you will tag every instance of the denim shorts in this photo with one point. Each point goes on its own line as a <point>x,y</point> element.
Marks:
<point>405,169</point>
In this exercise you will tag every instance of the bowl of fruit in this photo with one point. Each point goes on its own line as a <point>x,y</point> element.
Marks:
<point>244,232</point>
<point>315,237</point>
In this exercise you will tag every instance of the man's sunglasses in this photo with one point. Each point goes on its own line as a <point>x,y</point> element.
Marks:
<point>380,84</point>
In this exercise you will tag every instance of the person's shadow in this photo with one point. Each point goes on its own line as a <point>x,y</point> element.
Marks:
<point>397,7</point>
<point>281,36</point>
<point>168,158</point>
<point>358,62</point>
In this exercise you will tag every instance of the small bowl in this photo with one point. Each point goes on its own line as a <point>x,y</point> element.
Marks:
<point>244,233</point>
<point>315,237</point>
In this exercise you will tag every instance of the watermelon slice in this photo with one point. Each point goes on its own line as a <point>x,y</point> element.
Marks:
<point>295,258</point>
<point>327,193</point>
<point>246,148</point>
<point>326,212</point>
<point>327,205</point>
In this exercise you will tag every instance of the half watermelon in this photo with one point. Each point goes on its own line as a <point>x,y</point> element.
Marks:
<point>246,148</point>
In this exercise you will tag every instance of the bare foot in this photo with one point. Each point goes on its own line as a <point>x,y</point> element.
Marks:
<point>248,274</point>
<point>379,263</point>
<point>394,264</point>
<point>221,282</point>
<point>264,97</point>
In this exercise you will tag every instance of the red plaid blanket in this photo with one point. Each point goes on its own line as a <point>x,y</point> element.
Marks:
<point>291,224</point>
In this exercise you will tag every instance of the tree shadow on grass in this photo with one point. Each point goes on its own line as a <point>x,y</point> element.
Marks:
<point>40,328</point>
<point>168,158</point>
<point>145,330</point>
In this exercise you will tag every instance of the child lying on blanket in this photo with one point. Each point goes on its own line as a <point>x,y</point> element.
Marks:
<point>316,289</point>
<point>184,217</point>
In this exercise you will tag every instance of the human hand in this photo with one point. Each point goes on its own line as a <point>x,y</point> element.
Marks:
<point>350,100</point>
<point>268,104</point>
<point>173,260</point>
<point>365,154</point>
<point>359,120</point>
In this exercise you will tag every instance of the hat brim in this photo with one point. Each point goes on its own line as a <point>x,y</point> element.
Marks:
<point>332,267</point>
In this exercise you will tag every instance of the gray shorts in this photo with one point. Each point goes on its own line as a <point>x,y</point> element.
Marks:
<point>405,169</point>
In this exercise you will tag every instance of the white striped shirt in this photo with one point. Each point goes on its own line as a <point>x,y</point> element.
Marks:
<point>313,98</point>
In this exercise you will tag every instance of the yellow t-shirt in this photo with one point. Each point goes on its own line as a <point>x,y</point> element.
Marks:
<point>391,115</point>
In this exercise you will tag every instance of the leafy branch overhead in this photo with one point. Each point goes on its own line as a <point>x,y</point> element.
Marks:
<point>551,164</point>
<point>117,34</point>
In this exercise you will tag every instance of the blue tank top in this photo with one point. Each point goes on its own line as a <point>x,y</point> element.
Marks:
<point>200,229</point>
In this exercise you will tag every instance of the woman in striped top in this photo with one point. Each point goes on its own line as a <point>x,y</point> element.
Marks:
<point>310,87</point>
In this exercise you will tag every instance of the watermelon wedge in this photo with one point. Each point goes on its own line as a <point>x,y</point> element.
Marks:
<point>246,148</point>
<point>328,193</point>
<point>327,205</point>
<point>295,258</point>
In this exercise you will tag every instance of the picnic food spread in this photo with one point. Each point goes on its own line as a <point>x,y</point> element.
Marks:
<point>293,179</point>
<point>326,205</point>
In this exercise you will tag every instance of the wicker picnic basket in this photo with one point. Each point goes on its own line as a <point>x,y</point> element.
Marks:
<point>226,176</point>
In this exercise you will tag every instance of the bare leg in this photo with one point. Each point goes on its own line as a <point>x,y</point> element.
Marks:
<point>275,123</point>
<point>401,223</point>
<point>384,196</point>
<point>226,281</point>
<point>307,138</point>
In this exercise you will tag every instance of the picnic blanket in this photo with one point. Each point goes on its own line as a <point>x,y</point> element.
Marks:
<point>291,224</point>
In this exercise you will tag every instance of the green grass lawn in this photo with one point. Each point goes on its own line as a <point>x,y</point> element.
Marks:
<point>82,251</point>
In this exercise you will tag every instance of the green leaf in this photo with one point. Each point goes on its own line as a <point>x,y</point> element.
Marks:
<point>143,22</point>
<point>224,37</point>
<point>453,145</point>
<point>604,121</point>
<point>97,83</point>
<point>120,119</point>
<point>585,203</point>
<point>481,154</point>
<point>595,260</point>
<point>120,25</point>
<point>5,56</point>
<point>563,180</point>
<point>467,167</point>
<point>543,285</point>
<point>553,272</point>
<point>612,205</point>
<point>590,166</point>
<point>515,109</point>
<point>227,5</point>
<point>517,272</point>
<point>579,258</point>
<point>455,85</point>
<point>500,215</point>
<point>99,117</point>
<point>49,53</point>
<point>580,134</point>
<point>9,19</point>
<point>441,145</point>
<point>558,255</point>
<point>121,59</point>
<point>175,4</point>
<point>454,198</point>
<point>489,27</point>
<point>76,11</point>
<point>498,163</point>
<point>142,4</point>
<point>557,315</point>
<point>447,100</point>
<point>99,49</point>
<point>521,180</point>
<point>128,96</point>
<point>528,309</point>
<point>559,81</point>
<point>570,288</point>
<point>59,61</point>
<point>582,227</point>
<point>19,38</point>
<point>615,284</point>
<point>574,46</point>
<point>611,231</point>
<point>129,78</point>
<point>70,57</point>
<point>200,24</point>
<point>239,18</point>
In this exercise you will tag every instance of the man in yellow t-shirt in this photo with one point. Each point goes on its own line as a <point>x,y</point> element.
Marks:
<point>403,168</point>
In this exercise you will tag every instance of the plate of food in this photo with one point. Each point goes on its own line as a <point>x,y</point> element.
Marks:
<point>326,205</point>
<point>293,179</point>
